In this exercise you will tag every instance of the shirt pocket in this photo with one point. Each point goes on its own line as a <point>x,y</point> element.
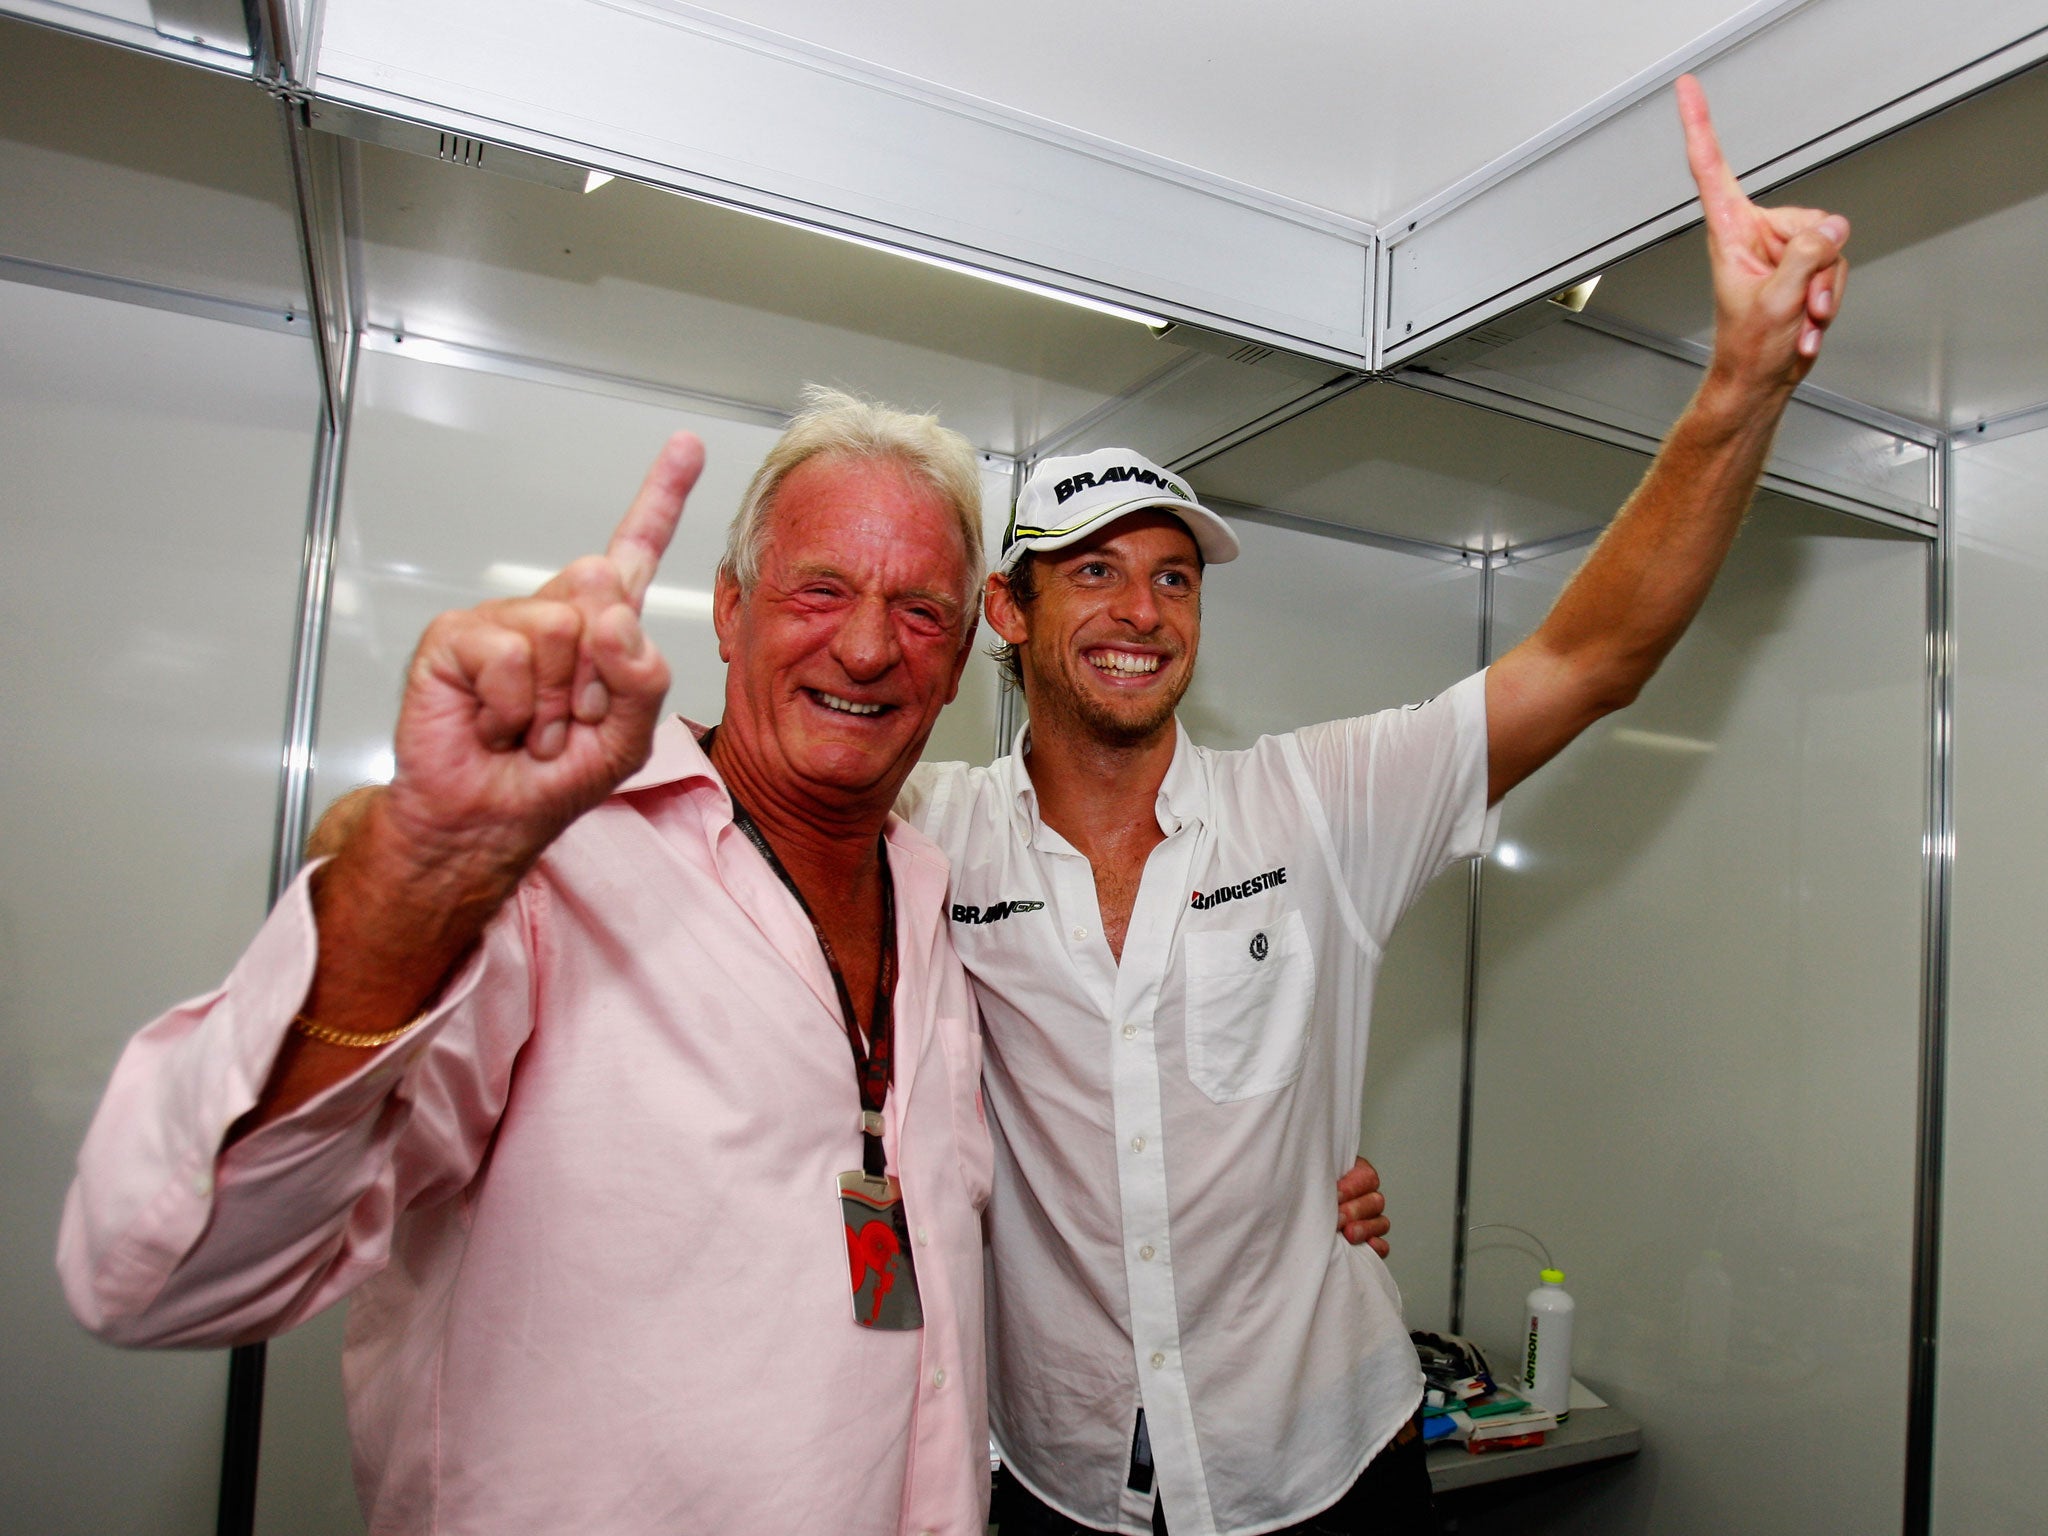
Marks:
<point>960,1041</point>
<point>1250,992</point>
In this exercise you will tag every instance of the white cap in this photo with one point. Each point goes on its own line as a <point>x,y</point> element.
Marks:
<point>1067,499</point>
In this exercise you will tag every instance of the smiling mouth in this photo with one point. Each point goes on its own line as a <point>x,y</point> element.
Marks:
<point>1122,663</point>
<point>834,702</point>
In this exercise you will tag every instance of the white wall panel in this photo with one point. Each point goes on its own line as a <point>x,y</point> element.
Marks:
<point>1304,628</point>
<point>667,93</point>
<point>151,517</point>
<point>1994,1241</point>
<point>135,168</point>
<point>1698,1038</point>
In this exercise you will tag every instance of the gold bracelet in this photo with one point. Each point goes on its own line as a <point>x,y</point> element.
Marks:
<point>301,1025</point>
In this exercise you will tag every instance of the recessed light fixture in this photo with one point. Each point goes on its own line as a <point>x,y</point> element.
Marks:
<point>1576,297</point>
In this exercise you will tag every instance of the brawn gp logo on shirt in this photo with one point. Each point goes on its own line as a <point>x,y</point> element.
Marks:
<point>1238,892</point>
<point>994,914</point>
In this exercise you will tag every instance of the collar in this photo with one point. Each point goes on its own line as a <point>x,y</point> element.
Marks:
<point>678,758</point>
<point>675,759</point>
<point>1183,794</point>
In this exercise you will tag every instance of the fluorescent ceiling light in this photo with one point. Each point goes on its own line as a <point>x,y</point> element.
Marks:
<point>668,602</point>
<point>1004,279</point>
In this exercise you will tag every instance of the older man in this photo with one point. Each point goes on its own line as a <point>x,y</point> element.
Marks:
<point>622,1071</point>
<point>1175,952</point>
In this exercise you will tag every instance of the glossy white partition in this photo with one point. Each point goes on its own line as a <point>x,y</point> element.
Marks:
<point>1697,1042</point>
<point>1306,627</point>
<point>1994,1240</point>
<point>152,511</point>
<point>460,486</point>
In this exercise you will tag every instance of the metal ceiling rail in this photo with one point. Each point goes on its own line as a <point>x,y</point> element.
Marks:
<point>1426,549</point>
<point>1925,434</point>
<point>1800,484</point>
<point>2030,418</point>
<point>217,54</point>
<point>1161,378</point>
<point>290,320</point>
<point>1938,860</point>
<point>514,365</point>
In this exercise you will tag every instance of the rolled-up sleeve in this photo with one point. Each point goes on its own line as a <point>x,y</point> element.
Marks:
<point>171,1238</point>
<point>1404,792</point>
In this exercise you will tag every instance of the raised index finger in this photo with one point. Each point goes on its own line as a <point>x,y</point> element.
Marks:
<point>642,537</point>
<point>1720,193</point>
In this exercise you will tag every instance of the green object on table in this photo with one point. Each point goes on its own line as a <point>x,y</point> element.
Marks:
<point>1499,1402</point>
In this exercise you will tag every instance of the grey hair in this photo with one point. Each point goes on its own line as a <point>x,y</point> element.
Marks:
<point>833,422</point>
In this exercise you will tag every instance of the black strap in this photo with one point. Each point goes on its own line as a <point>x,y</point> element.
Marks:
<point>874,1056</point>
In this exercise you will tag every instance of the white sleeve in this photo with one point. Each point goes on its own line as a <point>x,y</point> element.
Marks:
<point>1404,793</point>
<point>926,794</point>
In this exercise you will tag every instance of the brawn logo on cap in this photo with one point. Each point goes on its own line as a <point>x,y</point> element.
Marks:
<point>1118,474</point>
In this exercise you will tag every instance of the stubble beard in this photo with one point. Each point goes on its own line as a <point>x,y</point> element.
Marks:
<point>1099,721</point>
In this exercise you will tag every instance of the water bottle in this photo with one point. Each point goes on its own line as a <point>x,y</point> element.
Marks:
<point>1547,1369</point>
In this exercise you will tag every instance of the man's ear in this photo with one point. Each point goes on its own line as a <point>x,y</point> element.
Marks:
<point>725,611</point>
<point>1005,616</point>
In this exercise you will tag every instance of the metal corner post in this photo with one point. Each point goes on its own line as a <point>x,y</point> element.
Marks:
<point>1468,1064</point>
<point>1939,858</point>
<point>316,179</point>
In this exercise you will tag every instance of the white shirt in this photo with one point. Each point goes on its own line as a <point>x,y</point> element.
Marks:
<point>1169,1131</point>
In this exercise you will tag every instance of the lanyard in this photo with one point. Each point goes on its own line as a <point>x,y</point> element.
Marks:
<point>874,1057</point>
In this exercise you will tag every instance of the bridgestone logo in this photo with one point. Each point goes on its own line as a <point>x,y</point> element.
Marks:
<point>1251,887</point>
<point>1116,474</point>
<point>994,914</point>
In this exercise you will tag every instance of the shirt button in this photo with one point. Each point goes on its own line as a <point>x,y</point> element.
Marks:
<point>939,1377</point>
<point>923,1238</point>
<point>1130,1031</point>
<point>1145,1253</point>
<point>202,1183</point>
<point>1080,933</point>
<point>1158,1359</point>
<point>1137,1143</point>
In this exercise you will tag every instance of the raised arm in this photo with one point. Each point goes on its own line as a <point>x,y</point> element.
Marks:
<point>1778,281</point>
<point>518,716</point>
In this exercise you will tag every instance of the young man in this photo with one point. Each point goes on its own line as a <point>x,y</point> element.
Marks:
<point>1175,951</point>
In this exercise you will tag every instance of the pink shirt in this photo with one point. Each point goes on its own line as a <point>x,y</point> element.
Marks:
<point>589,1210</point>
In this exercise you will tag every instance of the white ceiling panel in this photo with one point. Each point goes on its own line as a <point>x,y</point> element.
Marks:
<point>1947,313</point>
<point>1391,460</point>
<point>128,166</point>
<point>1363,109</point>
<point>634,281</point>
